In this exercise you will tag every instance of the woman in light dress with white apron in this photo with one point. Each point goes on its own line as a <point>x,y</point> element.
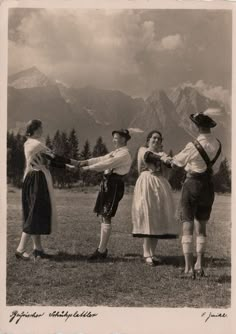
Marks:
<point>38,204</point>
<point>153,210</point>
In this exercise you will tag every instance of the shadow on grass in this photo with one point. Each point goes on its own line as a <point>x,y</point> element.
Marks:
<point>209,261</point>
<point>64,257</point>
<point>129,257</point>
<point>176,261</point>
<point>218,262</point>
<point>222,279</point>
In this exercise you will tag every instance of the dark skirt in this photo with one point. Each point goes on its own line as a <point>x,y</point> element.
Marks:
<point>36,204</point>
<point>111,192</point>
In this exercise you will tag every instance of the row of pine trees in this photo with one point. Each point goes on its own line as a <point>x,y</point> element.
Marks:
<point>63,144</point>
<point>67,145</point>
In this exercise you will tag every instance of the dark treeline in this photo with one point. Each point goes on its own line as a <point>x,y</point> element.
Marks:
<point>67,145</point>
<point>63,144</point>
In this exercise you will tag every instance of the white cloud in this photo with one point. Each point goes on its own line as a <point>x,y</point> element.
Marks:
<point>217,93</point>
<point>118,49</point>
<point>135,130</point>
<point>148,31</point>
<point>80,47</point>
<point>171,42</point>
<point>21,57</point>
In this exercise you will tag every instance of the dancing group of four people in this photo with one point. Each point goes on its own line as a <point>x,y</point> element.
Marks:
<point>153,210</point>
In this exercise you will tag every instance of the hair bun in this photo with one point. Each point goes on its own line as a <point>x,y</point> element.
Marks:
<point>32,126</point>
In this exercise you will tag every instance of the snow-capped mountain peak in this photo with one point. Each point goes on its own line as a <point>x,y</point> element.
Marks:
<point>29,78</point>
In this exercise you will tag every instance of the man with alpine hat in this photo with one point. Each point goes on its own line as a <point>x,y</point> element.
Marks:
<point>199,160</point>
<point>115,166</point>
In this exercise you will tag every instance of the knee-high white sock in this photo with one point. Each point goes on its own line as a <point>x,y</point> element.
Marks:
<point>147,250</point>
<point>187,244</point>
<point>104,238</point>
<point>201,244</point>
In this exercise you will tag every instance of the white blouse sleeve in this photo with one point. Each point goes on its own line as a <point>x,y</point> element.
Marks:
<point>140,158</point>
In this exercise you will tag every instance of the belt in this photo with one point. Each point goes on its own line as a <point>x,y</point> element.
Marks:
<point>114,176</point>
<point>107,178</point>
<point>195,175</point>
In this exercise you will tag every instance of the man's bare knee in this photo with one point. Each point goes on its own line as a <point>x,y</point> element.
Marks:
<point>200,227</point>
<point>188,228</point>
<point>106,220</point>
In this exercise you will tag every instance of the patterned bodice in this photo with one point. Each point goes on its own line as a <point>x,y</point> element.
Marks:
<point>148,160</point>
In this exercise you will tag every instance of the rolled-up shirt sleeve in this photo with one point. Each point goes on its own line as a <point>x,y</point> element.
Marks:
<point>182,158</point>
<point>108,161</point>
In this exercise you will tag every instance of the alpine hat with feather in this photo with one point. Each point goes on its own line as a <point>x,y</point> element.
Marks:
<point>204,120</point>
<point>123,133</point>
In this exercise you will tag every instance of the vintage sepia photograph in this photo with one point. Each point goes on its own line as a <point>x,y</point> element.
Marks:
<point>119,159</point>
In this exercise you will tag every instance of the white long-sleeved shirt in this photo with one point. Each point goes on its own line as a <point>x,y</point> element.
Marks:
<point>119,161</point>
<point>191,158</point>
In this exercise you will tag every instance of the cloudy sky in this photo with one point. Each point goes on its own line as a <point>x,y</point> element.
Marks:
<point>135,51</point>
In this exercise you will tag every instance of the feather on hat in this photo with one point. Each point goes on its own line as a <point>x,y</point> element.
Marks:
<point>213,112</point>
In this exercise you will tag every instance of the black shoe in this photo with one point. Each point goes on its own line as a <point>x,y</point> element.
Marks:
<point>149,261</point>
<point>22,256</point>
<point>188,275</point>
<point>157,261</point>
<point>200,273</point>
<point>98,255</point>
<point>40,254</point>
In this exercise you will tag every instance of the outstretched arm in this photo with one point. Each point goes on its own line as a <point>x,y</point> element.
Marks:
<point>89,162</point>
<point>152,157</point>
<point>54,160</point>
<point>108,162</point>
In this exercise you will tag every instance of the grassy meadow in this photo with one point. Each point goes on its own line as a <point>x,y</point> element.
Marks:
<point>68,279</point>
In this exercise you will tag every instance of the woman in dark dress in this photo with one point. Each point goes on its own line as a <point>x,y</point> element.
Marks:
<point>38,204</point>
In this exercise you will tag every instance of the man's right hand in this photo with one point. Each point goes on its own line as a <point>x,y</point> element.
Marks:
<point>78,163</point>
<point>37,160</point>
<point>71,168</point>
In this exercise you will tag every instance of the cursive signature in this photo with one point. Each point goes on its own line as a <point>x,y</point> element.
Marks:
<point>17,316</point>
<point>211,315</point>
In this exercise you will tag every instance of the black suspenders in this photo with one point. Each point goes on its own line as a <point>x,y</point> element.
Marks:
<point>204,155</point>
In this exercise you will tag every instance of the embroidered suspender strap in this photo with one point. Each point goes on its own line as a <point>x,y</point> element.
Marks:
<point>204,155</point>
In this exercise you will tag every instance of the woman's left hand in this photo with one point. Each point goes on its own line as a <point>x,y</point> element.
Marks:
<point>75,163</point>
<point>37,160</point>
<point>84,169</point>
<point>71,168</point>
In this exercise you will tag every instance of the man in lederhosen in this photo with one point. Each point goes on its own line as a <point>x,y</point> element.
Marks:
<point>115,166</point>
<point>199,160</point>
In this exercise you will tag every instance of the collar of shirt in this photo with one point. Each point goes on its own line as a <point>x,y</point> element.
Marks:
<point>123,148</point>
<point>112,153</point>
<point>206,136</point>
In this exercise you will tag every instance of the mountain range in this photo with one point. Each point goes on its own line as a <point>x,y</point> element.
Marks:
<point>96,112</point>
